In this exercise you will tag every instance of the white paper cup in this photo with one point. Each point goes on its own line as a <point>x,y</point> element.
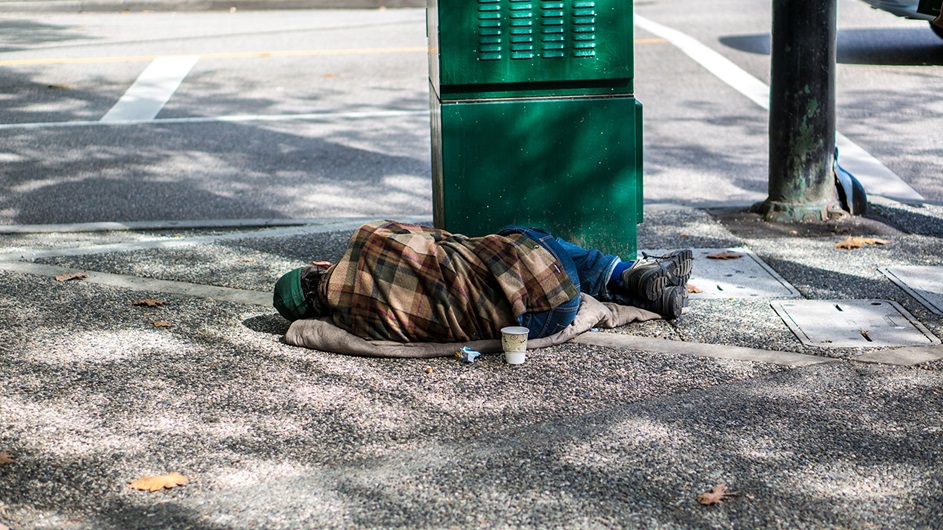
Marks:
<point>514,343</point>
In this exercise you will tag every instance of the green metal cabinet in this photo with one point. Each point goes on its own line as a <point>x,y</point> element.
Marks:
<point>930,7</point>
<point>533,119</point>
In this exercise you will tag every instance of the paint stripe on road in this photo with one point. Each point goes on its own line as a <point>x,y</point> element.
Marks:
<point>314,116</point>
<point>222,55</point>
<point>152,89</point>
<point>876,178</point>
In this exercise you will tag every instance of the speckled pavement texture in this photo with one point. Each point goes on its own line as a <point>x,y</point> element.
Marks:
<point>620,429</point>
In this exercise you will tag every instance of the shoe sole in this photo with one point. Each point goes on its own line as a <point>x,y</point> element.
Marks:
<point>672,269</point>
<point>670,305</point>
<point>674,304</point>
<point>682,265</point>
<point>653,282</point>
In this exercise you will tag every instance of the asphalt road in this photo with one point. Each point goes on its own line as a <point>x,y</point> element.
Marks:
<point>309,114</point>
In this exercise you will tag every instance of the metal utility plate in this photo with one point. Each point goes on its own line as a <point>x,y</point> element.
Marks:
<point>745,277</point>
<point>923,283</point>
<point>853,323</point>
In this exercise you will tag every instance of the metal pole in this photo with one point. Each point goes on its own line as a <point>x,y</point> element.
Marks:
<point>802,111</point>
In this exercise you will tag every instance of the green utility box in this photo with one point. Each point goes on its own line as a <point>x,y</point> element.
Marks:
<point>930,7</point>
<point>534,120</point>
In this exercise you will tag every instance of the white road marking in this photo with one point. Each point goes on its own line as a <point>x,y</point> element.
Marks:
<point>876,178</point>
<point>152,89</point>
<point>314,116</point>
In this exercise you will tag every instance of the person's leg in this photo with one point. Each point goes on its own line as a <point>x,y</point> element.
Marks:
<point>651,284</point>
<point>545,323</point>
<point>594,268</point>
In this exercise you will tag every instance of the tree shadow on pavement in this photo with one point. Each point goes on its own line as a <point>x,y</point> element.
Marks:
<point>875,46</point>
<point>18,35</point>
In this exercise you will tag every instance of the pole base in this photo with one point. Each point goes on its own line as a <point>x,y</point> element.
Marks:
<point>780,212</point>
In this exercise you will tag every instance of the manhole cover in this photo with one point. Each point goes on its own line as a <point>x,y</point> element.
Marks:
<point>744,277</point>
<point>923,283</point>
<point>853,323</point>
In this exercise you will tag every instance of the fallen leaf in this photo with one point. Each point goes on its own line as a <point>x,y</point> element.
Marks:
<point>69,276</point>
<point>858,242</point>
<point>330,75</point>
<point>6,458</point>
<point>716,495</point>
<point>693,289</point>
<point>162,324</point>
<point>170,480</point>
<point>428,370</point>
<point>149,302</point>
<point>725,255</point>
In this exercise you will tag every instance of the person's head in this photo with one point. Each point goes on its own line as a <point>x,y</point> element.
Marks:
<point>296,293</point>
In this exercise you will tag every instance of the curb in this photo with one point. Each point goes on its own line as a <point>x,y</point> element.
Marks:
<point>111,6</point>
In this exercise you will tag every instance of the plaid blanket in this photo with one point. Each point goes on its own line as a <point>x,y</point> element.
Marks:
<point>409,283</point>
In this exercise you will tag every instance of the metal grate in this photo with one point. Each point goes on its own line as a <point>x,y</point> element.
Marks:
<point>490,36</point>
<point>853,323</point>
<point>506,29</point>
<point>584,28</point>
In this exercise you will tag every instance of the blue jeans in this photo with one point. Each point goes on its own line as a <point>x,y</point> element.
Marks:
<point>589,270</point>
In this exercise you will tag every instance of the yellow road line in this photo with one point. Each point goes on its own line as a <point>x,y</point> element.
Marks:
<point>229,55</point>
<point>236,55</point>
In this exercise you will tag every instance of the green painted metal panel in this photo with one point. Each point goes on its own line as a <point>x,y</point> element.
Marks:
<point>930,7</point>
<point>569,165</point>
<point>497,48</point>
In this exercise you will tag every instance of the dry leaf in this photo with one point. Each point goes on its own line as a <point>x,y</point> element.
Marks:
<point>69,276</point>
<point>6,458</point>
<point>858,242</point>
<point>725,255</point>
<point>149,302</point>
<point>162,324</point>
<point>716,495</point>
<point>168,481</point>
<point>693,289</point>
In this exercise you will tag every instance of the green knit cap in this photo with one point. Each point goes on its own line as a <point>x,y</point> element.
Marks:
<point>289,297</point>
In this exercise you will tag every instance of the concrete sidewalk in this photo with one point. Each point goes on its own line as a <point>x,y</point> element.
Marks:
<point>620,428</point>
<point>99,6</point>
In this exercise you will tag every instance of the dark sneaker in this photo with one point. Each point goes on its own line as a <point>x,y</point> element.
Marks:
<point>645,280</point>
<point>648,278</point>
<point>682,264</point>
<point>669,305</point>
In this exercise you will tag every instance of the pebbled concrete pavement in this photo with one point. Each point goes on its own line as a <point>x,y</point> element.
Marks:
<point>620,428</point>
<point>96,6</point>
